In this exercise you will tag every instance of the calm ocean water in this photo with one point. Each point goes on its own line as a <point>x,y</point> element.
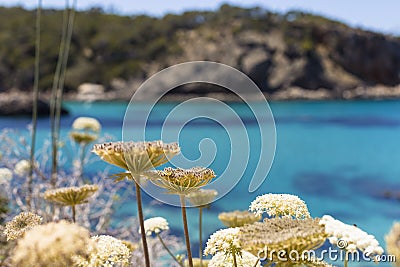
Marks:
<point>340,157</point>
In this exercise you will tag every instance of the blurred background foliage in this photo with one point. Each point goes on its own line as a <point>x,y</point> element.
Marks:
<point>106,46</point>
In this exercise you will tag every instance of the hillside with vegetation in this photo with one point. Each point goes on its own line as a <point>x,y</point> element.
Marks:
<point>292,55</point>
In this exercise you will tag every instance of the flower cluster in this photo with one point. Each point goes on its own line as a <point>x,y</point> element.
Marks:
<point>246,259</point>
<point>5,176</point>
<point>225,241</point>
<point>280,205</point>
<point>105,251</point>
<point>71,196</point>
<point>155,225</point>
<point>22,167</point>
<point>393,242</point>
<point>52,244</point>
<point>20,224</point>
<point>238,218</point>
<point>85,130</point>
<point>183,181</point>
<point>282,234</point>
<point>202,197</point>
<point>354,237</point>
<point>87,124</point>
<point>136,157</point>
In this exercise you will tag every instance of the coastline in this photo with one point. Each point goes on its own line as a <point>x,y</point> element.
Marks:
<point>19,103</point>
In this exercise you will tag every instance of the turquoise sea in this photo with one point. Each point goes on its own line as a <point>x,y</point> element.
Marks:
<point>342,158</point>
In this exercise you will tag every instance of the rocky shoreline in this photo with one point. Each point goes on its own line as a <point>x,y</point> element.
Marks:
<point>17,103</point>
<point>378,92</point>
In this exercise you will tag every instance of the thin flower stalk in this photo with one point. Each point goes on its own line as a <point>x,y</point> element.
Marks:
<point>168,250</point>
<point>29,181</point>
<point>202,198</point>
<point>186,230</point>
<point>182,182</point>
<point>137,158</point>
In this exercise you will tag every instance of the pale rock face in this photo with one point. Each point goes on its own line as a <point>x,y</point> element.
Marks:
<point>90,92</point>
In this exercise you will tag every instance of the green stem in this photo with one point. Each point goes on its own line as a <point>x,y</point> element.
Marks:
<point>82,153</point>
<point>169,251</point>
<point>60,89</point>
<point>73,213</point>
<point>201,236</point>
<point>54,100</point>
<point>141,221</point>
<point>234,260</point>
<point>186,229</point>
<point>346,259</point>
<point>34,105</point>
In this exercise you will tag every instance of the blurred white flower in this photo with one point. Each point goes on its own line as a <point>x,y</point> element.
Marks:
<point>202,197</point>
<point>246,259</point>
<point>156,225</point>
<point>5,176</point>
<point>393,242</point>
<point>52,244</point>
<point>350,237</point>
<point>86,123</point>
<point>22,167</point>
<point>106,251</point>
<point>225,240</point>
<point>280,205</point>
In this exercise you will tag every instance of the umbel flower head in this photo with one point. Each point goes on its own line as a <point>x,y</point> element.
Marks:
<point>20,224</point>
<point>352,236</point>
<point>105,251</point>
<point>182,181</point>
<point>393,242</point>
<point>225,241</point>
<point>71,196</point>
<point>202,197</point>
<point>280,205</point>
<point>246,259</point>
<point>238,218</point>
<point>52,244</point>
<point>85,130</point>
<point>86,124</point>
<point>136,157</point>
<point>279,234</point>
<point>155,225</point>
<point>196,262</point>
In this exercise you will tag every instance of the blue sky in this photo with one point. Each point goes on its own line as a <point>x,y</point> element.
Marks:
<point>375,15</point>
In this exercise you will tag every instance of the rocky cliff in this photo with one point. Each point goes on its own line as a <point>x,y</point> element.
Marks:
<point>289,56</point>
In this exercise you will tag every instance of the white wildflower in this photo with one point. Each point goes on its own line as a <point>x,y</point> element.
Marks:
<point>22,167</point>
<point>20,224</point>
<point>280,205</point>
<point>156,225</point>
<point>5,176</point>
<point>106,251</point>
<point>245,260</point>
<point>393,242</point>
<point>225,240</point>
<point>86,123</point>
<point>350,237</point>
<point>52,244</point>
